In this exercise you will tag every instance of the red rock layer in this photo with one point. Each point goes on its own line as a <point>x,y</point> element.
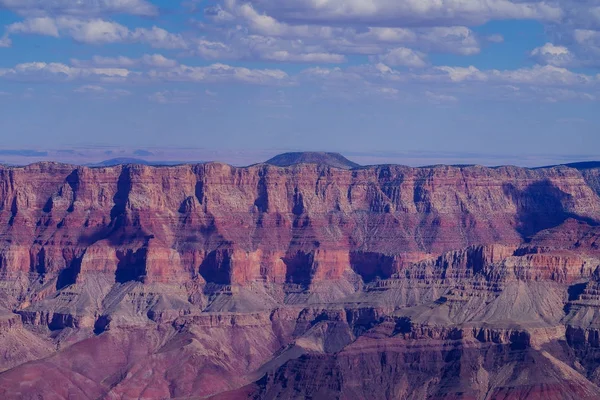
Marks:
<point>238,225</point>
<point>301,282</point>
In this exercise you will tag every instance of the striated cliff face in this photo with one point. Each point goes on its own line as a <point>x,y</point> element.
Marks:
<point>286,282</point>
<point>237,225</point>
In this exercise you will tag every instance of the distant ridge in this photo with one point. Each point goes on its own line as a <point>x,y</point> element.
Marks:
<point>119,161</point>
<point>582,165</point>
<point>125,160</point>
<point>335,160</point>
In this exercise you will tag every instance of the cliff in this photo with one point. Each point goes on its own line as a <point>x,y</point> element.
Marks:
<point>228,281</point>
<point>236,225</point>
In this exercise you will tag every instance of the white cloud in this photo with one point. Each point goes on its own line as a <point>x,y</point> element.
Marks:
<point>97,31</point>
<point>579,31</point>
<point>240,31</point>
<point>158,61</point>
<point>286,56</point>
<point>460,74</point>
<point>278,49</point>
<point>241,46</point>
<point>580,14</point>
<point>586,35</point>
<point>99,61</point>
<point>407,12</point>
<point>101,92</point>
<point>332,75</point>
<point>451,39</point>
<point>221,73</point>
<point>244,18</point>
<point>159,38</point>
<point>588,39</point>
<point>79,7</point>
<point>90,89</point>
<point>538,75</point>
<point>213,50</point>
<point>535,83</point>
<point>41,26</point>
<point>495,38</point>
<point>439,98</point>
<point>554,95</point>
<point>217,14</point>
<point>355,83</point>
<point>269,26</point>
<point>192,6</point>
<point>376,40</point>
<point>5,41</point>
<point>542,75</point>
<point>553,55</point>
<point>386,35</point>
<point>402,56</point>
<point>41,71</point>
<point>388,92</point>
<point>171,97</point>
<point>147,60</point>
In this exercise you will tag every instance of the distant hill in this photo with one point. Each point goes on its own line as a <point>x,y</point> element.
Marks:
<point>582,165</point>
<point>119,161</point>
<point>330,159</point>
<point>127,160</point>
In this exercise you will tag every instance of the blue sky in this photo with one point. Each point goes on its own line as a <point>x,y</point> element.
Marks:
<point>412,81</point>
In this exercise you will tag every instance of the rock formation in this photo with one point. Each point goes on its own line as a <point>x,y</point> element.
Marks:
<point>320,158</point>
<point>303,281</point>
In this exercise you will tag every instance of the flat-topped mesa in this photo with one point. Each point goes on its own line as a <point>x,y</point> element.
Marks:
<point>335,160</point>
<point>304,224</point>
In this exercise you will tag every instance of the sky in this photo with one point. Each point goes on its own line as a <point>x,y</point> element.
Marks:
<point>408,81</point>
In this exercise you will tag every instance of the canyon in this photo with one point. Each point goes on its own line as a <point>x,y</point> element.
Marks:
<point>301,280</point>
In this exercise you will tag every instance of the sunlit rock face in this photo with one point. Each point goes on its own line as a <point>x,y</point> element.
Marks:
<point>302,281</point>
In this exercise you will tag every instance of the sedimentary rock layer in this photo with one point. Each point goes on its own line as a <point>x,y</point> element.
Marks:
<point>305,281</point>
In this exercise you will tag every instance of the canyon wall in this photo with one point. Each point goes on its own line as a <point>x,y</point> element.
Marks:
<point>237,225</point>
<point>211,280</point>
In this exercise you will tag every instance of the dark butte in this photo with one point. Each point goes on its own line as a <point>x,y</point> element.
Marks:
<point>305,281</point>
